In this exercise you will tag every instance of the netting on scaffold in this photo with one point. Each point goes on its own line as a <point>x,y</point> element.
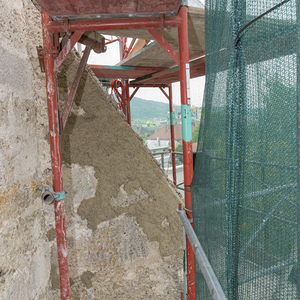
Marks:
<point>245,188</point>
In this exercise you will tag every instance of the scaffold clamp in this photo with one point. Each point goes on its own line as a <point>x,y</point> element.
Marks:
<point>60,195</point>
<point>48,196</point>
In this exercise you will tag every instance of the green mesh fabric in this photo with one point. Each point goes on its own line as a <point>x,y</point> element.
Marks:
<point>245,188</point>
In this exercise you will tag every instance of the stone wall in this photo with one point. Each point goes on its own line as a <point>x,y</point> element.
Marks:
<point>124,237</point>
<point>24,156</point>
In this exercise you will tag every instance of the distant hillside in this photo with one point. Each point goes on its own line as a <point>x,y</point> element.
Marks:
<point>148,110</point>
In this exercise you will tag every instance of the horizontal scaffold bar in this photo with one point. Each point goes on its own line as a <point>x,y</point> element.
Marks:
<point>111,24</point>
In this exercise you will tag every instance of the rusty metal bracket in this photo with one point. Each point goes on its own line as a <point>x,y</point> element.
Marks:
<point>94,39</point>
<point>41,52</point>
<point>74,88</point>
<point>48,196</point>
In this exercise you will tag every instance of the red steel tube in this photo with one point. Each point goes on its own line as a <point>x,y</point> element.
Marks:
<point>130,48</point>
<point>172,132</point>
<point>75,86</point>
<point>164,43</point>
<point>134,92</point>
<point>91,25</point>
<point>67,49</point>
<point>163,91</point>
<point>127,101</point>
<point>148,85</point>
<point>125,46</point>
<point>170,98</point>
<point>56,160</point>
<point>186,141</point>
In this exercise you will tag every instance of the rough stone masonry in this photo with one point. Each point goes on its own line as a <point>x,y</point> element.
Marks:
<point>124,237</point>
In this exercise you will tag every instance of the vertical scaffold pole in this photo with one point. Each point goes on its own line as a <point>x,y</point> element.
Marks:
<point>172,132</point>
<point>186,138</point>
<point>56,158</point>
<point>127,103</point>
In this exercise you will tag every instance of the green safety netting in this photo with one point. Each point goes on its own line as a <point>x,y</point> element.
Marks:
<point>245,188</point>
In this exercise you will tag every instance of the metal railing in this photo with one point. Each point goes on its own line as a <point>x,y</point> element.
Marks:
<point>178,185</point>
<point>211,279</point>
<point>207,271</point>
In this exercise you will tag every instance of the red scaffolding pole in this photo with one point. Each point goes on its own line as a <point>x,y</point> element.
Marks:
<point>110,24</point>
<point>186,139</point>
<point>170,98</point>
<point>127,101</point>
<point>172,132</point>
<point>52,100</point>
<point>74,88</point>
<point>49,28</point>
